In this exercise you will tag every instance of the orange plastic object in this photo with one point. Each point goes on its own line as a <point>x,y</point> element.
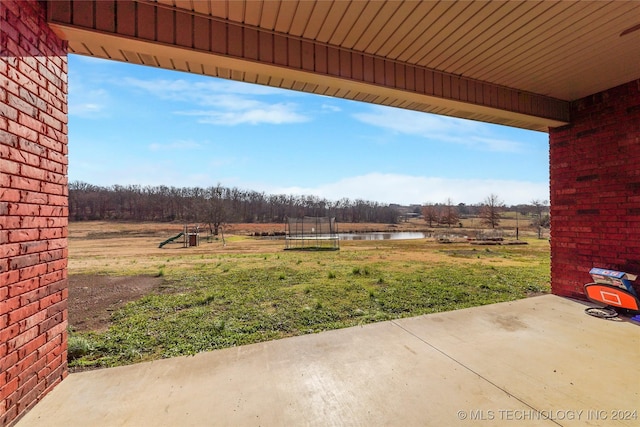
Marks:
<point>612,296</point>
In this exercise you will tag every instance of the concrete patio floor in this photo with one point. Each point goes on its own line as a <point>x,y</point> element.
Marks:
<point>538,361</point>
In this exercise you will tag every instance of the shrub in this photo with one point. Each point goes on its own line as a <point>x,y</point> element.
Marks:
<point>78,346</point>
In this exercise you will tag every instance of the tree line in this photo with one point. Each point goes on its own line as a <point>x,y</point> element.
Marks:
<point>212,205</point>
<point>217,205</point>
<point>490,212</point>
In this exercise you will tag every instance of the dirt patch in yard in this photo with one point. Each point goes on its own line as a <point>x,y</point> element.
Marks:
<point>93,298</point>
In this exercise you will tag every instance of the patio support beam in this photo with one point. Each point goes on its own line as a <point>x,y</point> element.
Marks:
<point>241,52</point>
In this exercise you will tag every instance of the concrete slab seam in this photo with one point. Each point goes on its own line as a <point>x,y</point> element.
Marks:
<point>468,368</point>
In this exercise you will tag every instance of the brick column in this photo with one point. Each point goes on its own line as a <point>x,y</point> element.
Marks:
<point>595,189</point>
<point>33,207</point>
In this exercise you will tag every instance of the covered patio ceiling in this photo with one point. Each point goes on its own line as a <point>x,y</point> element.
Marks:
<point>512,63</point>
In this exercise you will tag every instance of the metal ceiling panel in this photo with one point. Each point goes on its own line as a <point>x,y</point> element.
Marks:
<point>463,56</point>
<point>336,19</point>
<point>284,19</point>
<point>316,20</point>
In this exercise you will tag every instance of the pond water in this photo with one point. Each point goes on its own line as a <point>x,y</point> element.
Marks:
<point>378,235</point>
<point>397,235</point>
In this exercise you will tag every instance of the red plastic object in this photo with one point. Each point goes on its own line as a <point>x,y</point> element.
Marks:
<point>612,296</point>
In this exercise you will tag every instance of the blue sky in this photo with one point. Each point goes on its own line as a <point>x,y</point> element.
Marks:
<point>130,124</point>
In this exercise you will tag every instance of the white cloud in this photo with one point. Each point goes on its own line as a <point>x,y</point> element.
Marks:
<point>442,128</point>
<point>225,102</point>
<point>87,103</point>
<point>257,114</point>
<point>331,108</point>
<point>180,89</point>
<point>406,189</point>
<point>88,99</point>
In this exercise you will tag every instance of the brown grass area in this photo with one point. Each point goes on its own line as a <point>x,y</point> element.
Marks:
<point>117,247</point>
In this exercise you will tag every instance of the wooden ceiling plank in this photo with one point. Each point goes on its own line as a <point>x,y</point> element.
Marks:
<point>269,14</point>
<point>301,18</point>
<point>410,13</point>
<point>615,56</point>
<point>495,30</point>
<point>286,13</point>
<point>318,16</point>
<point>438,30</point>
<point>334,17</point>
<point>387,21</point>
<point>349,18</point>
<point>253,12</point>
<point>413,26</point>
<point>219,9</point>
<point>495,13</point>
<point>564,44</point>
<point>203,7</point>
<point>447,62</point>
<point>465,22</point>
<point>473,27</point>
<point>366,16</point>
<point>517,37</point>
<point>236,10</point>
<point>560,39</point>
<point>546,70</point>
<point>421,34</point>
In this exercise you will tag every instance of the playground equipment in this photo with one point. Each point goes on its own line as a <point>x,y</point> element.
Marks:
<point>171,239</point>
<point>311,233</point>
<point>192,237</point>
<point>189,238</point>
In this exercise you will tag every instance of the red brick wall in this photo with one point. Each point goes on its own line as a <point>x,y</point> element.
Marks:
<point>595,189</point>
<point>33,207</point>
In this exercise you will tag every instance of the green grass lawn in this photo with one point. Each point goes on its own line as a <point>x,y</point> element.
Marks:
<point>223,300</point>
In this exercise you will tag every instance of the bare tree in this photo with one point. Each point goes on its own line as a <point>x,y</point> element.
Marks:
<point>449,213</point>
<point>430,213</point>
<point>214,209</point>
<point>540,220</point>
<point>491,211</point>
